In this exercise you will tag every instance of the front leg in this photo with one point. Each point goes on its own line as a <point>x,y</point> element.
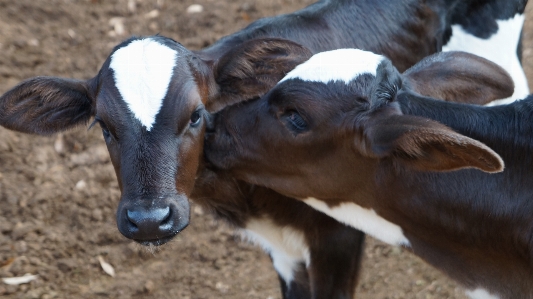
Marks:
<point>298,287</point>
<point>335,261</point>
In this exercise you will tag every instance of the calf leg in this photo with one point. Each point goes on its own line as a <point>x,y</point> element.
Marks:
<point>335,262</point>
<point>298,288</point>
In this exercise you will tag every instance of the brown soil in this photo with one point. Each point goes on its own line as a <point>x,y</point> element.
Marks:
<point>58,195</point>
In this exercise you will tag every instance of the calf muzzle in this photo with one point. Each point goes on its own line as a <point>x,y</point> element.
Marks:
<point>152,224</point>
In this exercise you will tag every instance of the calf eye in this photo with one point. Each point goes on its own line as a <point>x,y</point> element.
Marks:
<point>295,121</point>
<point>106,134</point>
<point>105,130</point>
<point>196,117</point>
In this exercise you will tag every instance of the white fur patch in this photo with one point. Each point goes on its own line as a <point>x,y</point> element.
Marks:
<point>364,220</point>
<point>286,246</point>
<point>343,64</point>
<point>480,294</point>
<point>500,48</point>
<point>143,70</point>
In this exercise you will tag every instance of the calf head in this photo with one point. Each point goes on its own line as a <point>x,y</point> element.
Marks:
<point>321,131</point>
<point>152,98</point>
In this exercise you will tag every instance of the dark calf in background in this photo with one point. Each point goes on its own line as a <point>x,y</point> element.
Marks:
<point>370,152</point>
<point>155,141</point>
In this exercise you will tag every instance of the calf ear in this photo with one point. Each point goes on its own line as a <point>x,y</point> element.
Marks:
<point>45,105</point>
<point>426,145</point>
<point>459,77</point>
<point>252,68</point>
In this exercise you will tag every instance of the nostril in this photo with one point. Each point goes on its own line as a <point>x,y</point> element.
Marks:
<point>167,222</point>
<point>131,222</point>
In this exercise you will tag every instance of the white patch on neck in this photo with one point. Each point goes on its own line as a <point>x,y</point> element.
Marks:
<point>143,70</point>
<point>343,64</point>
<point>364,220</point>
<point>500,48</point>
<point>480,294</point>
<point>287,247</point>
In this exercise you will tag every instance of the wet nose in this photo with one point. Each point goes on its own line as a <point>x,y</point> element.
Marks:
<point>154,225</point>
<point>149,223</point>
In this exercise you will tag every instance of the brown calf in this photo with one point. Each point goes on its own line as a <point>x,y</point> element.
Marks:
<point>357,142</point>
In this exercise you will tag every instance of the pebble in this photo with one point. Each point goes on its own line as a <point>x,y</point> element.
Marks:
<point>80,185</point>
<point>118,25</point>
<point>71,33</point>
<point>152,15</point>
<point>149,286</point>
<point>195,8</point>
<point>132,5</point>
<point>198,210</point>
<point>33,42</point>
<point>223,288</point>
<point>59,144</point>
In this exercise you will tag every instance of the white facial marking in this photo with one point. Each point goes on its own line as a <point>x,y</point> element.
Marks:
<point>500,48</point>
<point>143,70</point>
<point>480,294</point>
<point>286,246</point>
<point>343,64</point>
<point>364,220</point>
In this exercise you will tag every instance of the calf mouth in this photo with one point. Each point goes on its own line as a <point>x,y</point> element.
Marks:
<point>159,241</point>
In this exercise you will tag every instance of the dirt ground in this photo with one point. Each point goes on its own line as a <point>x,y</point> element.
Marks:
<point>58,195</point>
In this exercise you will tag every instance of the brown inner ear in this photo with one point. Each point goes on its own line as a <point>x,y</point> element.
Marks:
<point>459,77</point>
<point>431,150</point>
<point>251,69</point>
<point>426,145</point>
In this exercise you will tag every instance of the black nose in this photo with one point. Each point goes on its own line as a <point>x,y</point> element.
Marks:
<point>148,223</point>
<point>151,225</point>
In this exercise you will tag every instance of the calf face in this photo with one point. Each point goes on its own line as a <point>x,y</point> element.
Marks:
<point>152,99</point>
<point>337,113</point>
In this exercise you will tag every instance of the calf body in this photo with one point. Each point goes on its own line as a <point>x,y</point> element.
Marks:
<point>368,151</point>
<point>153,112</point>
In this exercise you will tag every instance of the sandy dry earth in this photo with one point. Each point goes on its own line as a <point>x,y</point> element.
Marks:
<point>58,195</point>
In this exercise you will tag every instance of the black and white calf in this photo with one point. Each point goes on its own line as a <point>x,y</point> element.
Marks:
<point>492,30</point>
<point>153,99</point>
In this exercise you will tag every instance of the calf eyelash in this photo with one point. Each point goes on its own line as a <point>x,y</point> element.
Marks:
<point>95,121</point>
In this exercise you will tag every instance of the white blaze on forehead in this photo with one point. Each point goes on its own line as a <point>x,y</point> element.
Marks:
<point>143,70</point>
<point>343,64</point>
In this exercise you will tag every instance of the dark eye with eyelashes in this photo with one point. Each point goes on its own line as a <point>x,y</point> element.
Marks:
<point>295,121</point>
<point>105,131</point>
<point>196,118</point>
<point>106,134</point>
